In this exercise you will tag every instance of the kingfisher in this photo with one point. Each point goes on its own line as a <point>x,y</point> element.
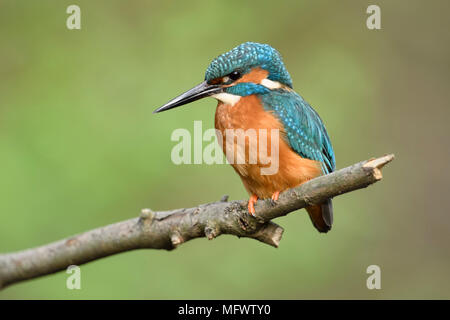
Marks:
<point>254,91</point>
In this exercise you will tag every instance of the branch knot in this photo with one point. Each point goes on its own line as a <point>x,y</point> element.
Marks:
<point>176,239</point>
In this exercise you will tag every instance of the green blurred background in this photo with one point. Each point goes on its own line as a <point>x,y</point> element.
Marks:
<point>80,147</point>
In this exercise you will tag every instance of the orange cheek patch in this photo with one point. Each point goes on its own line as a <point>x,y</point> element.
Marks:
<point>256,75</point>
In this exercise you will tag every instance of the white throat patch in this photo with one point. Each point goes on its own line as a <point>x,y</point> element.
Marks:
<point>227,98</point>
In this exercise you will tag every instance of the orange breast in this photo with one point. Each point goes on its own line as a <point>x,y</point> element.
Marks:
<point>292,170</point>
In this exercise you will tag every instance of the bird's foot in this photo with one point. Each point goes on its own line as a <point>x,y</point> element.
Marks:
<point>251,204</point>
<point>273,200</point>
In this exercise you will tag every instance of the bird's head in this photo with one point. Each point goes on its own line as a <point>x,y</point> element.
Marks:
<point>250,68</point>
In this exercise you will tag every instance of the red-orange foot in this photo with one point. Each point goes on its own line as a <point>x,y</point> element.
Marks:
<point>251,204</point>
<point>276,195</point>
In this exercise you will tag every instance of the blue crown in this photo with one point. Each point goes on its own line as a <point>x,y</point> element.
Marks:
<point>246,57</point>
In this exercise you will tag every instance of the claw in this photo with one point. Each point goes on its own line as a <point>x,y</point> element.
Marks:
<point>251,204</point>
<point>276,195</point>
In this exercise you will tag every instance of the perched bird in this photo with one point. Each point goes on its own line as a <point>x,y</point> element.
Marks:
<point>254,91</point>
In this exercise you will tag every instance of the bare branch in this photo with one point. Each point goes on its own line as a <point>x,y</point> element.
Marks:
<point>169,229</point>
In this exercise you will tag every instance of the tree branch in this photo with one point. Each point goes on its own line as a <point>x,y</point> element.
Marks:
<point>169,229</point>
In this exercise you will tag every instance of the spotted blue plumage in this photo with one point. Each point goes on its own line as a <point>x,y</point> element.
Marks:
<point>247,56</point>
<point>305,131</point>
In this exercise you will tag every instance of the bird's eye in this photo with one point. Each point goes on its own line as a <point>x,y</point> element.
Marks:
<point>234,75</point>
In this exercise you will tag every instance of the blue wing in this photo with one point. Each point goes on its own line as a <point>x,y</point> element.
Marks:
<point>305,130</point>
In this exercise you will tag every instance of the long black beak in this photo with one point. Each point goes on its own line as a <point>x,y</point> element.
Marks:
<point>200,91</point>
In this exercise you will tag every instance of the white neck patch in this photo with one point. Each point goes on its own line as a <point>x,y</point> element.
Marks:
<point>270,84</point>
<point>227,98</point>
